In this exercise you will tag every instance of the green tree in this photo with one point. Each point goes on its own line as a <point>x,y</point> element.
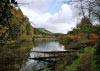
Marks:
<point>85,26</point>
<point>28,28</point>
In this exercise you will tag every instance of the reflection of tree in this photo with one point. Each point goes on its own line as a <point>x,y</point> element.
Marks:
<point>7,60</point>
<point>12,58</point>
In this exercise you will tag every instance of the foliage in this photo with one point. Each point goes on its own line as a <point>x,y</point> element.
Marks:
<point>69,39</point>
<point>28,28</point>
<point>12,31</point>
<point>4,21</point>
<point>46,69</point>
<point>83,63</point>
<point>85,26</point>
<point>97,57</point>
<point>42,33</point>
<point>16,25</point>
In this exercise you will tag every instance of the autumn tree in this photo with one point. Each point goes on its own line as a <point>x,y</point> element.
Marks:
<point>4,19</point>
<point>6,27</point>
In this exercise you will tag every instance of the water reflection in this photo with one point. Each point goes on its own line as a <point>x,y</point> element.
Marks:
<point>49,46</point>
<point>46,46</point>
<point>13,57</point>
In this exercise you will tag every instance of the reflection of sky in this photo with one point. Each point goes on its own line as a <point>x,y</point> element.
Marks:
<point>49,46</point>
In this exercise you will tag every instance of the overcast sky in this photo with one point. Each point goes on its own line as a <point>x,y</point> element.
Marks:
<point>57,16</point>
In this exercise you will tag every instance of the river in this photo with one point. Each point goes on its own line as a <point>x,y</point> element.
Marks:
<point>41,46</point>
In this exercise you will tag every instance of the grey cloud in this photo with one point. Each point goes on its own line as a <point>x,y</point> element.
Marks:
<point>37,5</point>
<point>60,22</point>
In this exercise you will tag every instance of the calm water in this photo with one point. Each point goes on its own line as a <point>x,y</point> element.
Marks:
<point>14,56</point>
<point>44,46</point>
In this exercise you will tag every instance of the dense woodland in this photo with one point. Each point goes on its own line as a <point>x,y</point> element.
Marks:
<point>14,29</point>
<point>14,26</point>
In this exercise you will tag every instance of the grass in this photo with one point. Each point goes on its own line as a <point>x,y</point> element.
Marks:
<point>95,62</point>
<point>84,62</point>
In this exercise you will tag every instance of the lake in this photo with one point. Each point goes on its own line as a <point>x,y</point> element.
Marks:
<point>41,46</point>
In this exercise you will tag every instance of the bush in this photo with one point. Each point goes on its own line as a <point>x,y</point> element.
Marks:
<point>68,39</point>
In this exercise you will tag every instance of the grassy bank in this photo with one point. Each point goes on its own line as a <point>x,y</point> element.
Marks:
<point>84,62</point>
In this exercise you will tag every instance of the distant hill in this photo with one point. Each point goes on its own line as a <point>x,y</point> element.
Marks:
<point>42,31</point>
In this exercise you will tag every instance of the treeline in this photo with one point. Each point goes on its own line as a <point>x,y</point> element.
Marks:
<point>84,33</point>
